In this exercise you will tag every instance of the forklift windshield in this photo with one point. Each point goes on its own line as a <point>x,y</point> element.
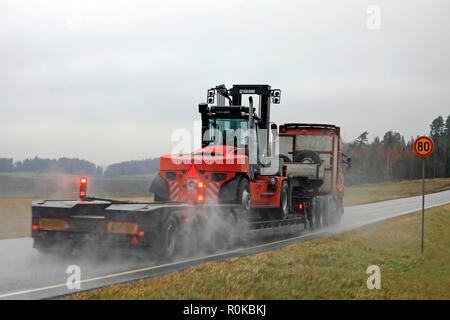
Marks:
<point>231,132</point>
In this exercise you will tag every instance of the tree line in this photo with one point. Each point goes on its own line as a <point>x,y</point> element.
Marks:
<point>61,165</point>
<point>392,158</point>
<point>78,166</point>
<point>146,166</point>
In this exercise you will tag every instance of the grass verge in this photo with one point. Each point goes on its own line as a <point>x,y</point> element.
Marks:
<point>330,268</point>
<point>368,193</point>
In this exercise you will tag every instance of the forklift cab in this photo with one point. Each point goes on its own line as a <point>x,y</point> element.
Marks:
<point>240,126</point>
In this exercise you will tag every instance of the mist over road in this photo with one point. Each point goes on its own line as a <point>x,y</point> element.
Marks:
<point>27,274</point>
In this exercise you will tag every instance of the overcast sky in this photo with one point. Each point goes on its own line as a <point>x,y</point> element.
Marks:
<point>109,81</point>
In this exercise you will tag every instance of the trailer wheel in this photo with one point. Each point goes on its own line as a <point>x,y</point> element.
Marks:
<point>230,232</point>
<point>315,214</point>
<point>244,197</point>
<point>283,211</point>
<point>336,210</point>
<point>310,218</point>
<point>62,250</point>
<point>42,247</point>
<point>326,213</point>
<point>309,214</point>
<point>169,237</point>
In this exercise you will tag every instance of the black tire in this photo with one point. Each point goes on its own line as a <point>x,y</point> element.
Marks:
<point>169,237</point>
<point>310,217</point>
<point>284,158</point>
<point>318,212</point>
<point>336,209</point>
<point>42,247</point>
<point>243,196</point>
<point>231,232</point>
<point>326,214</point>
<point>54,248</point>
<point>315,214</point>
<point>283,211</point>
<point>308,156</point>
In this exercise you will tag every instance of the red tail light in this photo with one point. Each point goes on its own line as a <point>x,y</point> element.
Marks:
<point>300,206</point>
<point>83,187</point>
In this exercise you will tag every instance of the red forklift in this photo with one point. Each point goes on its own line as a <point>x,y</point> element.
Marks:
<point>260,179</point>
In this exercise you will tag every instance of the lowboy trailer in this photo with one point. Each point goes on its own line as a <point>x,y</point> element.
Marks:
<point>249,178</point>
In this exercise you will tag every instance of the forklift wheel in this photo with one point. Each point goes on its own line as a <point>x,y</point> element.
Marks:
<point>283,211</point>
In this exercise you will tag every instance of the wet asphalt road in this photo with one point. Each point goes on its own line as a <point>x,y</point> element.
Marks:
<point>27,274</point>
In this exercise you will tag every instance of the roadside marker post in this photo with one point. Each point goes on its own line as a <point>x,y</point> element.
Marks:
<point>423,147</point>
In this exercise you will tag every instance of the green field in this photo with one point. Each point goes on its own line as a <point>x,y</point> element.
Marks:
<point>329,268</point>
<point>56,186</point>
<point>77,176</point>
<point>368,193</point>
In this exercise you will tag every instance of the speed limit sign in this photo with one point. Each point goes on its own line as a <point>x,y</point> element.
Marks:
<point>423,146</point>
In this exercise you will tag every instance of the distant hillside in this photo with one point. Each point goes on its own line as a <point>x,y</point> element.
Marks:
<point>79,167</point>
<point>61,165</point>
<point>147,166</point>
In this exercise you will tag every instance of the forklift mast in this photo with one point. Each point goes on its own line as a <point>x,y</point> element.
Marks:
<point>234,96</point>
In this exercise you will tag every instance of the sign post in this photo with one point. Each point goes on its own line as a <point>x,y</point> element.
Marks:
<point>423,147</point>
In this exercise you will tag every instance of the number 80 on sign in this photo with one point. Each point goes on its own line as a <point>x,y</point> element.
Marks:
<point>423,146</point>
